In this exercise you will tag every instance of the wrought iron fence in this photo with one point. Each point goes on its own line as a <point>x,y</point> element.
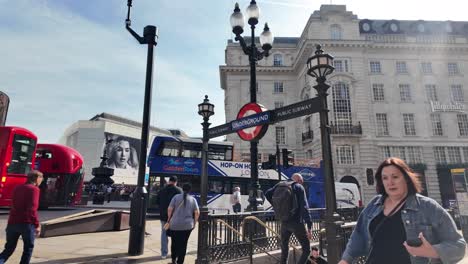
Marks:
<point>232,237</point>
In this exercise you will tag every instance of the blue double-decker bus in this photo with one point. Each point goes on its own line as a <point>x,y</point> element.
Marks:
<point>182,157</point>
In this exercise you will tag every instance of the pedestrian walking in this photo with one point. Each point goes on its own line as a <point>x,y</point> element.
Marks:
<point>182,214</point>
<point>401,226</point>
<point>236,200</point>
<point>290,205</point>
<point>163,198</point>
<point>23,219</point>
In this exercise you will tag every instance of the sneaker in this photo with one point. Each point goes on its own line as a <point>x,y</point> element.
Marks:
<point>164,257</point>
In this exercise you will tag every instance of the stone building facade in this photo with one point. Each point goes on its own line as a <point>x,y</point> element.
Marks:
<point>399,89</point>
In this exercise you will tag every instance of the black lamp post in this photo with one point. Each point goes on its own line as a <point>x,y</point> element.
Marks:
<point>140,195</point>
<point>319,66</point>
<point>266,40</point>
<point>206,110</point>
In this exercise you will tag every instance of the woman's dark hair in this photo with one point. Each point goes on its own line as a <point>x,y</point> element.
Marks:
<point>412,181</point>
<point>187,187</point>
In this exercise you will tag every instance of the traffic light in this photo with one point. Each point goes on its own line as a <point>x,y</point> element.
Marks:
<point>270,164</point>
<point>370,176</point>
<point>288,159</point>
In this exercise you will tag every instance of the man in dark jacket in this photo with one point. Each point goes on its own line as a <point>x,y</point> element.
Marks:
<point>295,224</point>
<point>163,199</point>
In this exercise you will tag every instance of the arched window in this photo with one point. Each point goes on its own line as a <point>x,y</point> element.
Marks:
<point>341,105</point>
<point>278,60</point>
<point>335,32</point>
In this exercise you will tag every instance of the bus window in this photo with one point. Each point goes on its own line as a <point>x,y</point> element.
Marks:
<point>191,150</point>
<point>169,148</point>
<point>215,186</point>
<point>21,160</point>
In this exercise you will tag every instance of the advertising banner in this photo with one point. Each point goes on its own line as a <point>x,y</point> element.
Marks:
<point>123,153</point>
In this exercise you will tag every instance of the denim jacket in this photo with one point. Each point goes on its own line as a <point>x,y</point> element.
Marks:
<point>420,214</point>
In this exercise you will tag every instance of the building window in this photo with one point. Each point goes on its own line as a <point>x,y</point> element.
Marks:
<point>335,32</point>
<point>414,155</point>
<point>454,155</point>
<point>385,152</point>
<point>345,154</point>
<point>279,104</point>
<point>439,155</point>
<point>457,92</point>
<point>382,126</point>
<point>452,68</point>
<point>401,67</point>
<point>465,153</point>
<point>436,125</point>
<point>408,123</point>
<point>431,92</point>
<point>462,124</point>
<point>340,65</point>
<point>309,154</point>
<point>405,92</point>
<point>375,67</point>
<point>280,135</point>
<point>426,67</point>
<point>277,60</point>
<point>278,87</point>
<point>378,92</point>
<point>341,104</point>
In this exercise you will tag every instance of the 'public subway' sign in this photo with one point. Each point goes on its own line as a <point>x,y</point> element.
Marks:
<point>253,119</point>
<point>252,122</point>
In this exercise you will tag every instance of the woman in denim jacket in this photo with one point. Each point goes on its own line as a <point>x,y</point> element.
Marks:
<point>399,215</point>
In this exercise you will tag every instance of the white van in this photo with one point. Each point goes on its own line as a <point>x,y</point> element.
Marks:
<point>347,195</point>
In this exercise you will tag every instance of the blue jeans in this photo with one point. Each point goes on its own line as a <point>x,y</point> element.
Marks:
<point>13,232</point>
<point>164,240</point>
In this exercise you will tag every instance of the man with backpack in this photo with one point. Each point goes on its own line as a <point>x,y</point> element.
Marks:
<point>291,208</point>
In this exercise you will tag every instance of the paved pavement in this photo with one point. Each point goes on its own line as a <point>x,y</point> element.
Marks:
<point>104,247</point>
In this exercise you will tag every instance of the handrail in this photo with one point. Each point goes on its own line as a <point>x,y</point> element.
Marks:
<point>271,230</point>
<point>242,236</point>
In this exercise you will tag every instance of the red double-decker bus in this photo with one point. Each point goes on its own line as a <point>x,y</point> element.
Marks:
<point>63,172</point>
<point>17,153</point>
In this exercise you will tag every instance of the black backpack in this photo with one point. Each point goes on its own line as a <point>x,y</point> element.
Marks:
<point>284,201</point>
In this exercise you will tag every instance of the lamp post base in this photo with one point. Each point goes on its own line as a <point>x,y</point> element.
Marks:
<point>334,239</point>
<point>137,221</point>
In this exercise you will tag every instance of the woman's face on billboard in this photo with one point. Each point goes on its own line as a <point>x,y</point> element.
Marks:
<point>122,154</point>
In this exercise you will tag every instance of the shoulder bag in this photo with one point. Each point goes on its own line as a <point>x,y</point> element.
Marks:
<point>167,225</point>
<point>379,225</point>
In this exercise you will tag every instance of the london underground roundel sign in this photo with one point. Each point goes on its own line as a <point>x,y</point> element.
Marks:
<point>255,132</point>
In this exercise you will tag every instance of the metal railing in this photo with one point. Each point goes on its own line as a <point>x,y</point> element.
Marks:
<point>232,237</point>
<point>347,129</point>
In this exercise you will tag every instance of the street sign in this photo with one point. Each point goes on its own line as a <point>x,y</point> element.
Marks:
<point>220,130</point>
<point>306,107</point>
<point>251,123</point>
<point>253,120</point>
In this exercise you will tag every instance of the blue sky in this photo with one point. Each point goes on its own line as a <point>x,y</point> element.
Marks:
<point>68,60</point>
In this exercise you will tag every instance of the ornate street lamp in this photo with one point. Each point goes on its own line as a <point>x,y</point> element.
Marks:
<point>320,66</point>
<point>205,109</point>
<point>140,195</point>
<point>266,41</point>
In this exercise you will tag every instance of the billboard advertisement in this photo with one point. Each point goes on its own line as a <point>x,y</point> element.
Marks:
<point>4,102</point>
<point>123,153</point>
